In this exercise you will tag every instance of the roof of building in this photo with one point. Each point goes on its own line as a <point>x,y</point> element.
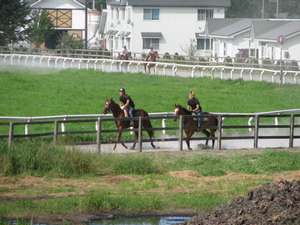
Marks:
<point>280,28</point>
<point>30,2</point>
<point>263,29</point>
<point>228,27</point>
<point>172,3</point>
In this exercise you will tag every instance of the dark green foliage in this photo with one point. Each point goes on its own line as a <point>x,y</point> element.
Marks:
<point>40,28</point>
<point>253,8</point>
<point>14,19</point>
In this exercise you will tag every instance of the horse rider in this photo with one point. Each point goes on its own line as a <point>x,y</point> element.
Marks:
<point>150,53</point>
<point>127,104</point>
<point>125,52</point>
<point>194,106</point>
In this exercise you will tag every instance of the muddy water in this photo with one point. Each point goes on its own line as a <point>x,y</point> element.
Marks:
<point>171,220</point>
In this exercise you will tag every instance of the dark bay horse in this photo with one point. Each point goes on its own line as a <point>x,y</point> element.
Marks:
<point>190,125</point>
<point>123,123</point>
<point>150,58</point>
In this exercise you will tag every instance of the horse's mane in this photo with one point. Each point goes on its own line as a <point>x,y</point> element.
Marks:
<point>186,111</point>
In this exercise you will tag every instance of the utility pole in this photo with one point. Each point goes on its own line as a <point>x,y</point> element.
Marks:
<point>86,25</point>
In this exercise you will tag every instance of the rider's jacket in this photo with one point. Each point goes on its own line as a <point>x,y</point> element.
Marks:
<point>124,99</point>
<point>193,102</point>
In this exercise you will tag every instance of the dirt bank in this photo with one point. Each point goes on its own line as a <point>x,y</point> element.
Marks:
<point>277,203</point>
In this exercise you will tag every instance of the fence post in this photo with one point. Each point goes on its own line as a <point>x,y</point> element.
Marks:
<point>292,130</point>
<point>140,135</point>
<point>180,139</point>
<point>55,132</point>
<point>220,124</point>
<point>99,127</point>
<point>11,134</point>
<point>256,131</point>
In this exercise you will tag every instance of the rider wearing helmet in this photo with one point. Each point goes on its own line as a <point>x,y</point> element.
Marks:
<point>126,103</point>
<point>194,106</point>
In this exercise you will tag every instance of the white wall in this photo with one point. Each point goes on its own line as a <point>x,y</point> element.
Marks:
<point>78,19</point>
<point>178,26</point>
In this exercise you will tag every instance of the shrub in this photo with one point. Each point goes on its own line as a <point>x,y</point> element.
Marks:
<point>34,158</point>
<point>167,55</point>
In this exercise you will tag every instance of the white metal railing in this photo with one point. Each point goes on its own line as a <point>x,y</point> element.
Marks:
<point>160,68</point>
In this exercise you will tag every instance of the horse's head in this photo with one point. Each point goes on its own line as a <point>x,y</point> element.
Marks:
<point>180,111</point>
<point>177,111</point>
<point>156,54</point>
<point>107,105</point>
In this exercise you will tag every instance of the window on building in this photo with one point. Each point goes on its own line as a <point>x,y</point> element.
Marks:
<point>204,14</point>
<point>151,43</point>
<point>151,14</point>
<point>204,44</point>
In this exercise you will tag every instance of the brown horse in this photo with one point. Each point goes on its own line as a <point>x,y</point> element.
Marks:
<point>190,125</point>
<point>123,123</point>
<point>124,57</point>
<point>150,58</point>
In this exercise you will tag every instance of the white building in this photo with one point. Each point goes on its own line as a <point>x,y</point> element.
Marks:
<point>166,25</point>
<point>256,38</point>
<point>68,16</point>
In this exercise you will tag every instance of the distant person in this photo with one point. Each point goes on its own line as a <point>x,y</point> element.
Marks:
<point>125,51</point>
<point>151,53</point>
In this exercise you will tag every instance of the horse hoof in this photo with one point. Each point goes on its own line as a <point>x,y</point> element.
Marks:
<point>190,149</point>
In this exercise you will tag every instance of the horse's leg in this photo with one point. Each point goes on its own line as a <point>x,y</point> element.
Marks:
<point>148,127</point>
<point>207,134</point>
<point>136,134</point>
<point>118,140</point>
<point>212,132</point>
<point>188,134</point>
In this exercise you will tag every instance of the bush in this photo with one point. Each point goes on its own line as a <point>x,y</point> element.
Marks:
<point>167,55</point>
<point>69,42</point>
<point>178,57</point>
<point>228,61</point>
<point>41,159</point>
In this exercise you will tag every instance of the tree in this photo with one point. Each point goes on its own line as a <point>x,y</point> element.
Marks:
<point>190,49</point>
<point>40,28</point>
<point>14,21</point>
<point>69,42</point>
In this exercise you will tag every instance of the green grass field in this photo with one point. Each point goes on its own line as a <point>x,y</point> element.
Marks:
<point>37,93</point>
<point>37,179</point>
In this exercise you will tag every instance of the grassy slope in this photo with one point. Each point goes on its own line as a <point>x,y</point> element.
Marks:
<point>26,93</point>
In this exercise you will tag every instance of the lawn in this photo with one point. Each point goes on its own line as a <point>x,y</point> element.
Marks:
<point>37,93</point>
<point>43,180</point>
<point>38,179</point>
